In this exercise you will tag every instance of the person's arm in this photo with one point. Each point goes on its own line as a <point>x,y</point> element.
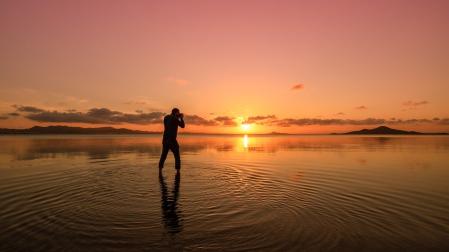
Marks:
<point>181,121</point>
<point>166,122</point>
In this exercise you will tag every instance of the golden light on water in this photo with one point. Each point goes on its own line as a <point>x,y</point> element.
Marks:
<point>245,141</point>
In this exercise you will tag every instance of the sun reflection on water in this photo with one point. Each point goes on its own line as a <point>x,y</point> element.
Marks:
<point>245,141</point>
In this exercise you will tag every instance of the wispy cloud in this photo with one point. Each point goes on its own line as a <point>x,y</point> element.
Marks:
<point>140,102</point>
<point>444,121</point>
<point>73,99</point>
<point>298,86</point>
<point>318,121</point>
<point>414,103</point>
<point>368,121</point>
<point>260,119</point>
<point>137,102</point>
<point>226,120</point>
<point>198,120</point>
<point>362,107</point>
<point>29,109</point>
<point>178,81</point>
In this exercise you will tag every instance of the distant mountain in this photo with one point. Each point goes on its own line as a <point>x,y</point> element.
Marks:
<point>278,133</point>
<point>384,130</point>
<point>73,130</point>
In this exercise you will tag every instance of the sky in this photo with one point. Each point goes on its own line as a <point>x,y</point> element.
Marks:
<point>284,66</point>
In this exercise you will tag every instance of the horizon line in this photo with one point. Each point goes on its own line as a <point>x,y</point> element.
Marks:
<point>143,132</point>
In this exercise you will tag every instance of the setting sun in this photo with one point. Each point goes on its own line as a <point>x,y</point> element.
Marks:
<point>246,126</point>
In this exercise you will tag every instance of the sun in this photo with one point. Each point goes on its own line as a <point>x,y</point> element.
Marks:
<point>246,127</point>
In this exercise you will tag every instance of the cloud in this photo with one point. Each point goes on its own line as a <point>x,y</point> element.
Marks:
<point>414,103</point>
<point>340,114</point>
<point>29,109</point>
<point>361,107</point>
<point>298,86</point>
<point>444,121</point>
<point>137,102</point>
<point>317,121</point>
<point>198,120</point>
<point>3,117</point>
<point>226,120</point>
<point>69,117</point>
<point>71,100</point>
<point>93,116</point>
<point>217,121</point>
<point>259,119</point>
<point>178,81</point>
<point>368,121</point>
<point>14,114</point>
<point>143,102</point>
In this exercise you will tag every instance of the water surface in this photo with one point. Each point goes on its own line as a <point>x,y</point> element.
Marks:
<point>280,193</point>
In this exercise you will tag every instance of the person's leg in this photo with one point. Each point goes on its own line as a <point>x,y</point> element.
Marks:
<point>175,150</point>
<point>164,153</point>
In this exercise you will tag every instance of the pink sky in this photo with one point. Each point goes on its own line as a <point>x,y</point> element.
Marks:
<point>239,59</point>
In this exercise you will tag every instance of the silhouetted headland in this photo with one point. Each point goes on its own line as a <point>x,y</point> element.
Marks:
<point>384,130</point>
<point>73,130</point>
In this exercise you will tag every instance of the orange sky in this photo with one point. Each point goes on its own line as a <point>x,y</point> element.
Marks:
<point>287,66</point>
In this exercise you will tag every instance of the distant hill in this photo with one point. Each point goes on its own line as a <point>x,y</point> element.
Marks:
<point>73,130</point>
<point>277,133</point>
<point>384,130</point>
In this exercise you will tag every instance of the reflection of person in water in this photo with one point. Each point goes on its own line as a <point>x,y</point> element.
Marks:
<point>169,204</point>
<point>171,123</point>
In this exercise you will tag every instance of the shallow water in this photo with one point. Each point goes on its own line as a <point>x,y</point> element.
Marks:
<point>280,193</point>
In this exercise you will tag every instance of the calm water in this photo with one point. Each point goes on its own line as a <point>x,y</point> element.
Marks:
<point>300,193</point>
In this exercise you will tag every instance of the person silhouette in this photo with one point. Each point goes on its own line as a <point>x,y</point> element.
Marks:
<point>169,205</point>
<point>169,142</point>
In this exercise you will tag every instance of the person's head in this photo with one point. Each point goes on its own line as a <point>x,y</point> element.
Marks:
<point>175,111</point>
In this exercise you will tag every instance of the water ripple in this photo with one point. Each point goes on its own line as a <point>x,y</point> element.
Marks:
<point>280,194</point>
